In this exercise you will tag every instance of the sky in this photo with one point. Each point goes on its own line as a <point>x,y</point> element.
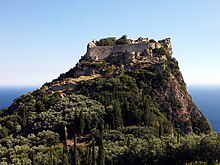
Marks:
<point>41,39</point>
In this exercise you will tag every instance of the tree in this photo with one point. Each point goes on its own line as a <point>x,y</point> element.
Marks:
<point>115,114</point>
<point>65,159</point>
<point>3,132</point>
<point>76,123</point>
<point>74,150</point>
<point>110,41</point>
<point>40,106</point>
<point>54,99</point>
<point>101,152</point>
<point>81,123</point>
<point>93,153</point>
<point>160,130</point>
<point>101,124</point>
<point>128,142</point>
<point>123,40</point>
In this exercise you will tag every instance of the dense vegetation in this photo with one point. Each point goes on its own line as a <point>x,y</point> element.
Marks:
<point>111,41</point>
<point>133,95</point>
<point>130,145</point>
<point>126,104</point>
<point>117,118</point>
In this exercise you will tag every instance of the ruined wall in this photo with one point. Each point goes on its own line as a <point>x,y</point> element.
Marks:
<point>101,52</point>
<point>130,48</point>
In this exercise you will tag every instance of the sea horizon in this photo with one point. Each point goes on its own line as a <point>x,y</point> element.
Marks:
<point>9,93</point>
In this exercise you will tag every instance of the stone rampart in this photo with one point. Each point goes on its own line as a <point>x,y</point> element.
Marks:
<point>101,52</point>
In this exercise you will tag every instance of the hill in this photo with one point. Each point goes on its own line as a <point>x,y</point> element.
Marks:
<point>122,98</point>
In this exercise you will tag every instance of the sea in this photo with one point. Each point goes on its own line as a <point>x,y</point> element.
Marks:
<point>207,99</point>
<point>8,94</point>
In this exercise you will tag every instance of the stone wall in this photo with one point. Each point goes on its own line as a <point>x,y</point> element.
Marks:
<point>101,52</point>
<point>130,48</point>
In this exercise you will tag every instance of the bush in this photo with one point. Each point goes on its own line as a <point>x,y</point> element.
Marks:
<point>123,40</point>
<point>110,41</point>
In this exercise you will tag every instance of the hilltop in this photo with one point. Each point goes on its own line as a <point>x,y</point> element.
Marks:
<point>148,64</point>
<point>120,94</point>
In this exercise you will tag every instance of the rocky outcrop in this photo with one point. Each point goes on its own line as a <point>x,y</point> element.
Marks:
<point>142,54</point>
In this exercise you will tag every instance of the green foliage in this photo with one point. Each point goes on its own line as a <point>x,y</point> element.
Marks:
<point>93,153</point>
<point>74,151</point>
<point>160,51</point>
<point>110,41</point>
<point>123,117</point>
<point>101,152</point>
<point>3,132</point>
<point>123,40</point>
<point>113,113</point>
<point>196,163</point>
<point>81,123</point>
<point>128,98</point>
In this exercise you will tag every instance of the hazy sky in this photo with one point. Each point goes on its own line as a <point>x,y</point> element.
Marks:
<point>39,39</point>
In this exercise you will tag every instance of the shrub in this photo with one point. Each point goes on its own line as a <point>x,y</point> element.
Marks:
<point>110,41</point>
<point>123,40</point>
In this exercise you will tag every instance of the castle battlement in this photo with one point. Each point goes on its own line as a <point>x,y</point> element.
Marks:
<point>142,44</point>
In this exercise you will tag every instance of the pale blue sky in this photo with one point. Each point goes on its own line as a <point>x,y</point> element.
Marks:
<point>39,39</point>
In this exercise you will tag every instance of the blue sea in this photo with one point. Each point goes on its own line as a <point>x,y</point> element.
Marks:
<point>207,99</point>
<point>8,94</point>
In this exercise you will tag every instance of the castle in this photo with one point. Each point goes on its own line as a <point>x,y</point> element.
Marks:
<point>95,52</point>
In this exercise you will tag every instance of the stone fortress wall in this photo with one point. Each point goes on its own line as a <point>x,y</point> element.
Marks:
<point>140,45</point>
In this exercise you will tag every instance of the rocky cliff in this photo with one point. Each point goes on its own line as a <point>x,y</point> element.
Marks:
<point>159,72</point>
<point>139,79</point>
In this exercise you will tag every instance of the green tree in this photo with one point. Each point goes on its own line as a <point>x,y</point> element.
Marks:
<point>101,152</point>
<point>81,123</point>
<point>40,106</point>
<point>160,130</point>
<point>54,99</point>
<point>74,150</point>
<point>123,40</point>
<point>115,114</point>
<point>3,132</point>
<point>76,123</point>
<point>110,41</point>
<point>93,153</point>
<point>128,142</point>
<point>101,124</point>
<point>65,159</point>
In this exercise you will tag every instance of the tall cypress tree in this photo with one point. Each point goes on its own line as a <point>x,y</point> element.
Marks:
<point>88,159</point>
<point>116,115</point>
<point>93,153</point>
<point>65,155</point>
<point>101,124</point>
<point>101,153</point>
<point>73,128</point>
<point>74,151</point>
<point>128,142</point>
<point>160,130</point>
<point>81,123</point>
